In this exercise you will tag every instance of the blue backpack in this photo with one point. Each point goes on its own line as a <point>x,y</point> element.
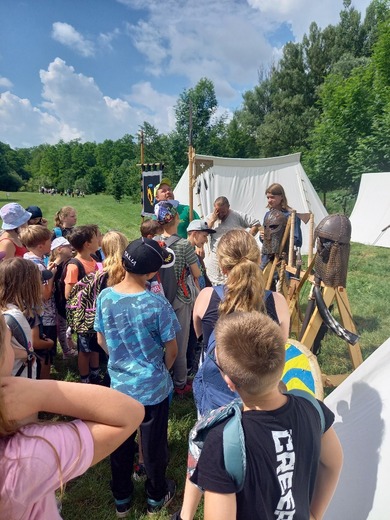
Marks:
<point>234,451</point>
<point>209,388</point>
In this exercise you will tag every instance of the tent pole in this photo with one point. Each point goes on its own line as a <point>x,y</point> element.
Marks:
<point>191,159</point>
<point>311,239</point>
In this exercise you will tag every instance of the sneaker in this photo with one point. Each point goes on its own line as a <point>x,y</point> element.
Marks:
<point>154,506</point>
<point>123,507</point>
<point>69,353</point>
<point>182,391</point>
<point>139,473</point>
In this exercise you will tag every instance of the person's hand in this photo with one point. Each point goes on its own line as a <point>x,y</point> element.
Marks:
<point>52,266</point>
<point>200,251</point>
<point>214,217</point>
<point>261,231</point>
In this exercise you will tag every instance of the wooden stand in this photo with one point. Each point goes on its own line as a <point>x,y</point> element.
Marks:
<point>331,294</point>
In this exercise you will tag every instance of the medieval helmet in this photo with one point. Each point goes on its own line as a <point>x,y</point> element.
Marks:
<point>333,236</point>
<point>274,226</point>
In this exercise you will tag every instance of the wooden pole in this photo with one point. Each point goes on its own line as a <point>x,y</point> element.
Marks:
<point>191,159</point>
<point>142,148</point>
<point>291,243</point>
<point>191,155</point>
<point>311,239</point>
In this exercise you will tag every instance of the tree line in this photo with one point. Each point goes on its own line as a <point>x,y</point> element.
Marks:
<point>328,97</point>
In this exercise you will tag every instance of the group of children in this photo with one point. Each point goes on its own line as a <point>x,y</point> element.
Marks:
<point>291,473</point>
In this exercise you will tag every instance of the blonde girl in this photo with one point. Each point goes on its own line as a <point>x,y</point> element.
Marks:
<point>65,219</point>
<point>43,457</point>
<point>113,245</point>
<point>20,302</point>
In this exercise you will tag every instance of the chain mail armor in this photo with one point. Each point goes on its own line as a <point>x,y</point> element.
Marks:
<point>333,236</point>
<point>274,226</point>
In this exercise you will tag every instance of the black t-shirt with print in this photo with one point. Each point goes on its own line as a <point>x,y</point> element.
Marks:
<point>282,451</point>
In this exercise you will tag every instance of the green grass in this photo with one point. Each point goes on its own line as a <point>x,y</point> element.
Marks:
<point>100,209</point>
<point>368,287</point>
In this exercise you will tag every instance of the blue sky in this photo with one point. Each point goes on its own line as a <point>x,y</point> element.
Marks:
<point>96,69</point>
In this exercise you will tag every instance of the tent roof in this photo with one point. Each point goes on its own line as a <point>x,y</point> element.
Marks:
<point>244,181</point>
<point>371,213</point>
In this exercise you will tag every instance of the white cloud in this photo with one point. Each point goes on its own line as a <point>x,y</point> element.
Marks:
<point>223,41</point>
<point>5,83</point>
<point>300,13</point>
<point>158,109</point>
<point>74,107</point>
<point>105,39</point>
<point>23,125</point>
<point>67,35</point>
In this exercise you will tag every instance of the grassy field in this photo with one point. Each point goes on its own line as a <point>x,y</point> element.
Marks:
<point>102,210</point>
<point>368,288</point>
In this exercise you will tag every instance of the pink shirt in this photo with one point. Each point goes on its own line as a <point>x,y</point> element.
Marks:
<point>29,473</point>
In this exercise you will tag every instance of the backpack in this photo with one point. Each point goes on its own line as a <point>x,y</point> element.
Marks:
<point>209,388</point>
<point>20,336</point>
<point>57,231</point>
<point>233,439</point>
<point>167,275</point>
<point>81,304</point>
<point>59,284</point>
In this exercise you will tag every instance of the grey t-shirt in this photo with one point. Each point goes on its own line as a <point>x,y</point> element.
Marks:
<point>234,220</point>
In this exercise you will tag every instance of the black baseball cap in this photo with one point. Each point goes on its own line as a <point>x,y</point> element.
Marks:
<point>144,256</point>
<point>35,211</point>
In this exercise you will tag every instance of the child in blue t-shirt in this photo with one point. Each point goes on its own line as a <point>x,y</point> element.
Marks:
<point>137,328</point>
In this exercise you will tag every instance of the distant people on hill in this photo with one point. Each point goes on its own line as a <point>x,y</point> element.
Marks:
<point>14,218</point>
<point>65,220</point>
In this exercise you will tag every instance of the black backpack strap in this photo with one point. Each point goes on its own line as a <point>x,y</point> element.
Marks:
<point>172,240</point>
<point>80,267</point>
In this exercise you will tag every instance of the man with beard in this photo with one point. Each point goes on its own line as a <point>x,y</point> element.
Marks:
<point>222,220</point>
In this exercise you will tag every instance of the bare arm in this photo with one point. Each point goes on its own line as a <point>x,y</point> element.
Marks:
<point>200,307</point>
<point>329,469</point>
<point>110,415</point>
<point>8,247</point>
<point>68,288</point>
<point>171,351</point>
<point>195,271</point>
<point>102,342</point>
<point>283,313</point>
<point>219,506</point>
<point>39,343</point>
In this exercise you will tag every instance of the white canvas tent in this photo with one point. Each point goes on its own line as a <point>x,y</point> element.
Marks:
<point>362,408</point>
<point>370,217</point>
<point>244,181</point>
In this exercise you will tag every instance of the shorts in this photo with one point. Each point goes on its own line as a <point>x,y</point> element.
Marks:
<point>46,355</point>
<point>87,343</point>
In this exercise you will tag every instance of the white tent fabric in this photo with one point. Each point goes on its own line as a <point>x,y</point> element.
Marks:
<point>370,217</point>
<point>362,407</point>
<point>244,181</point>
